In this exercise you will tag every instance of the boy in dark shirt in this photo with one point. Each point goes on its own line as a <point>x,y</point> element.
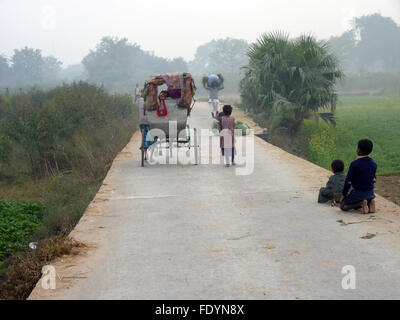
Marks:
<point>361,177</point>
<point>335,183</point>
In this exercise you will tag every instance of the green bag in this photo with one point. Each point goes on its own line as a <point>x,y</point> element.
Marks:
<point>238,126</point>
<point>241,126</point>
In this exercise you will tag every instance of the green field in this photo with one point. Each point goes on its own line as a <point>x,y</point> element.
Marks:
<point>373,117</point>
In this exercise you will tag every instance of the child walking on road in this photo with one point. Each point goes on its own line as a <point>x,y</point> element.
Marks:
<point>227,140</point>
<point>361,177</point>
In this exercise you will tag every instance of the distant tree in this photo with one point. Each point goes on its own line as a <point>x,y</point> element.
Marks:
<point>116,62</point>
<point>378,48</point>
<point>178,65</point>
<point>4,69</point>
<point>372,45</point>
<point>51,68</point>
<point>220,56</point>
<point>153,65</point>
<point>229,55</point>
<point>27,66</point>
<point>113,60</point>
<point>290,79</point>
<point>202,62</point>
<point>73,72</point>
<point>344,47</point>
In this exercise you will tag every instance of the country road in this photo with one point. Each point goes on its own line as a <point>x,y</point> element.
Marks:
<point>202,232</point>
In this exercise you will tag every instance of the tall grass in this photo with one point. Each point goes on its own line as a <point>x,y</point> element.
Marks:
<point>56,147</point>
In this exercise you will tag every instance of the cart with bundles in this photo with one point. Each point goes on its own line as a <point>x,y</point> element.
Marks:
<point>166,112</point>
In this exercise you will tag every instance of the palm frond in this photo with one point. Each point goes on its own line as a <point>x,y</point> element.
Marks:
<point>328,117</point>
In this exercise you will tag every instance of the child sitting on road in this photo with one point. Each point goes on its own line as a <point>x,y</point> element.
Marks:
<point>227,140</point>
<point>335,183</point>
<point>361,177</point>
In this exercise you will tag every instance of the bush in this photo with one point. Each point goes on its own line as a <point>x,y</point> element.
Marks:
<point>63,143</point>
<point>292,78</point>
<point>55,128</point>
<point>321,142</point>
<point>5,148</point>
<point>25,269</point>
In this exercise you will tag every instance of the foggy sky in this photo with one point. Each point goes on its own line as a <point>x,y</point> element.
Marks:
<point>69,29</point>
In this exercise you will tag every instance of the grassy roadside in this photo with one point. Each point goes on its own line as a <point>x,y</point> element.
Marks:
<point>63,142</point>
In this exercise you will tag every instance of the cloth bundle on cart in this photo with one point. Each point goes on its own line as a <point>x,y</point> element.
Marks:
<point>180,87</point>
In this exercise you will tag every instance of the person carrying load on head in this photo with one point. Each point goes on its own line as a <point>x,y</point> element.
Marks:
<point>137,92</point>
<point>214,84</point>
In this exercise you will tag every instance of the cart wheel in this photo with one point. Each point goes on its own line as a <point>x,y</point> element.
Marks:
<point>196,147</point>
<point>188,136</point>
<point>143,148</point>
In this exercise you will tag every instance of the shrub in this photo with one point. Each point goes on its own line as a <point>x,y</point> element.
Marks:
<point>45,123</point>
<point>6,148</point>
<point>63,143</point>
<point>25,269</point>
<point>18,222</point>
<point>322,145</point>
<point>294,78</point>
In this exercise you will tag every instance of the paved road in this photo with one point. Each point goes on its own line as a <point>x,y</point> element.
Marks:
<point>202,232</point>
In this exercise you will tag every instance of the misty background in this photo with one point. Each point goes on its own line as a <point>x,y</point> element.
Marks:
<point>120,43</point>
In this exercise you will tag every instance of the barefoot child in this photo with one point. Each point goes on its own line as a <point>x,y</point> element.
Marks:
<point>361,177</point>
<point>227,140</point>
<point>335,183</point>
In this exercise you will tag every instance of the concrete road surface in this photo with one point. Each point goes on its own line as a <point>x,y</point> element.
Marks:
<point>203,232</point>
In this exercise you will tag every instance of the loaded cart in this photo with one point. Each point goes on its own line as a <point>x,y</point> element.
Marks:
<point>165,114</point>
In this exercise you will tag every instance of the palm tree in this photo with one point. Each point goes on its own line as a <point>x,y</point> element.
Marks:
<point>291,78</point>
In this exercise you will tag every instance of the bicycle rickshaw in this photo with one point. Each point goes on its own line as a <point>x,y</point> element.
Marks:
<point>167,113</point>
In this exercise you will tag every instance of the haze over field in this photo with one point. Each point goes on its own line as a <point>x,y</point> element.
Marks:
<point>69,29</point>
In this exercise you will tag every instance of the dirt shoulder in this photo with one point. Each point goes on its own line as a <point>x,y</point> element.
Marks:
<point>389,188</point>
<point>240,115</point>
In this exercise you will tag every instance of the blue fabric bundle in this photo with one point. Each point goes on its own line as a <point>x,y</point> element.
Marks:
<point>213,80</point>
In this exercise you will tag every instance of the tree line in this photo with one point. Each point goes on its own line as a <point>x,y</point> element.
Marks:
<point>372,45</point>
<point>117,63</point>
<point>28,66</point>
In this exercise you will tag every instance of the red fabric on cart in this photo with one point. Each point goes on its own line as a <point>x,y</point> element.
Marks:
<point>162,109</point>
